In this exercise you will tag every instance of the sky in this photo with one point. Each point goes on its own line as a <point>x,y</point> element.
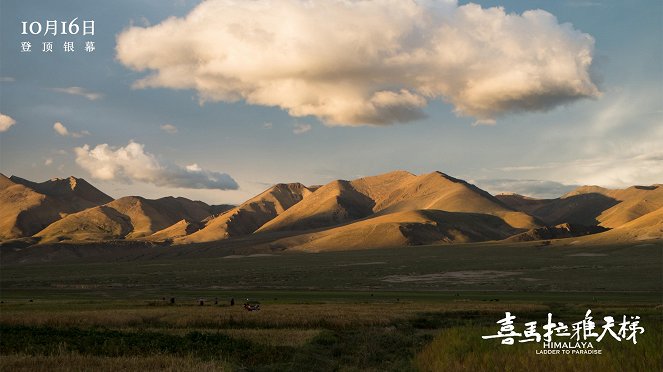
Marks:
<point>218,100</point>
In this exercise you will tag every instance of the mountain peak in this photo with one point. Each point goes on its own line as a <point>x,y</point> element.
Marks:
<point>587,189</point>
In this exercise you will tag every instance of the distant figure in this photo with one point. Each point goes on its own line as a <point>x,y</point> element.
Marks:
<point>232,302</point>
<point>201,302</point>
<point>216,300</point>
<point>251,305</point>
<point>172,300</point>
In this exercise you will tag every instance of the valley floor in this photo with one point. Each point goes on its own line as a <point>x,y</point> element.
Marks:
<point>416,308</point>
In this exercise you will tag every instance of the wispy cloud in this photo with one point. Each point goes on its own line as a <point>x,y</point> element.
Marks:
<point>78,91</point>
<point>7,79</point>
<point>60,129</point>
<point>132,163</point>
<point>532,188</point>
<point>301,128</point>
<point>520,168</point>
<point>6,122</point>
<point>623,167</point>
<point>484,122</point>
<point>48,161</point>
<point>639,166</point>
<point>169,128</point>
<point>583,3</point>
<point>268,125</point>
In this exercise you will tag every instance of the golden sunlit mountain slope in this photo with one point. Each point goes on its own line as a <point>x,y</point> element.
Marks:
<point>635,202</point>
<point>591,205</point>
<point>330,205</point>
<point>646,227</point>
<point>249,216</point>
<point>565,230</point>
<point>128,217</point>
<point>70,189</point>
<point>344,201</point>
<point>27,207</point>
<point>178,230</point>
<point>392,209</point>
<point>402,229</point>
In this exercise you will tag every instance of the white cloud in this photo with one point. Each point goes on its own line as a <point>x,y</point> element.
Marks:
<point>48,161</point>
<point>64,132</point>
<point>78,91</point>
<point>60,129</point>
<point>268,125</point>
<point>7,79</point>
<point>193,168</point>
<point>301,128</point>
<point>169,128</point>
<point>132,163</point>
<point>6,122</point>
<point>365,62</point>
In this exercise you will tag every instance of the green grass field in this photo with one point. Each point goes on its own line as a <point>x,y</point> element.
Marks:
<point>417,308</point>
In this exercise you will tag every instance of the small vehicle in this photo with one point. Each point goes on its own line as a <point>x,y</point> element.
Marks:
<point>250,305</point>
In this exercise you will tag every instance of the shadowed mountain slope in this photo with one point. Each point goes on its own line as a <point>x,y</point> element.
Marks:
<point>125,218</point>
<point>391,209</point>
<point>343,201</point>
<point>402,229</point>
<point>591,205</point>
<point>27,207</point>
<point>249,216</point>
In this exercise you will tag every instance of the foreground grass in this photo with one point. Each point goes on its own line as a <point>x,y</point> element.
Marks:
<point>301,337</point>
<point>80,362</point>
<point>370,349</point>
<point>323,337</point>
<point>462,349</point>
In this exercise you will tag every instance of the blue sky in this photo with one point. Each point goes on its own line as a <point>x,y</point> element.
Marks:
<point>613,138</point>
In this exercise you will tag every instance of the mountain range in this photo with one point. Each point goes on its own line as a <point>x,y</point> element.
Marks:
<point>388,210</point>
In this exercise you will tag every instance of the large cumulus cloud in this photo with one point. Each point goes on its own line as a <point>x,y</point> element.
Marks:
<point>365,62</point>
<point>133,163</point>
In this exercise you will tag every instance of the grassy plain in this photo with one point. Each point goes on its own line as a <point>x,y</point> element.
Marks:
<point>422,308</point>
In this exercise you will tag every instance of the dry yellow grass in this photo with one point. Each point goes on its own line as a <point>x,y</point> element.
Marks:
<point>301,316</point>
<point>462,349</point>
<point>71,362</point>
<point>293,337</point>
